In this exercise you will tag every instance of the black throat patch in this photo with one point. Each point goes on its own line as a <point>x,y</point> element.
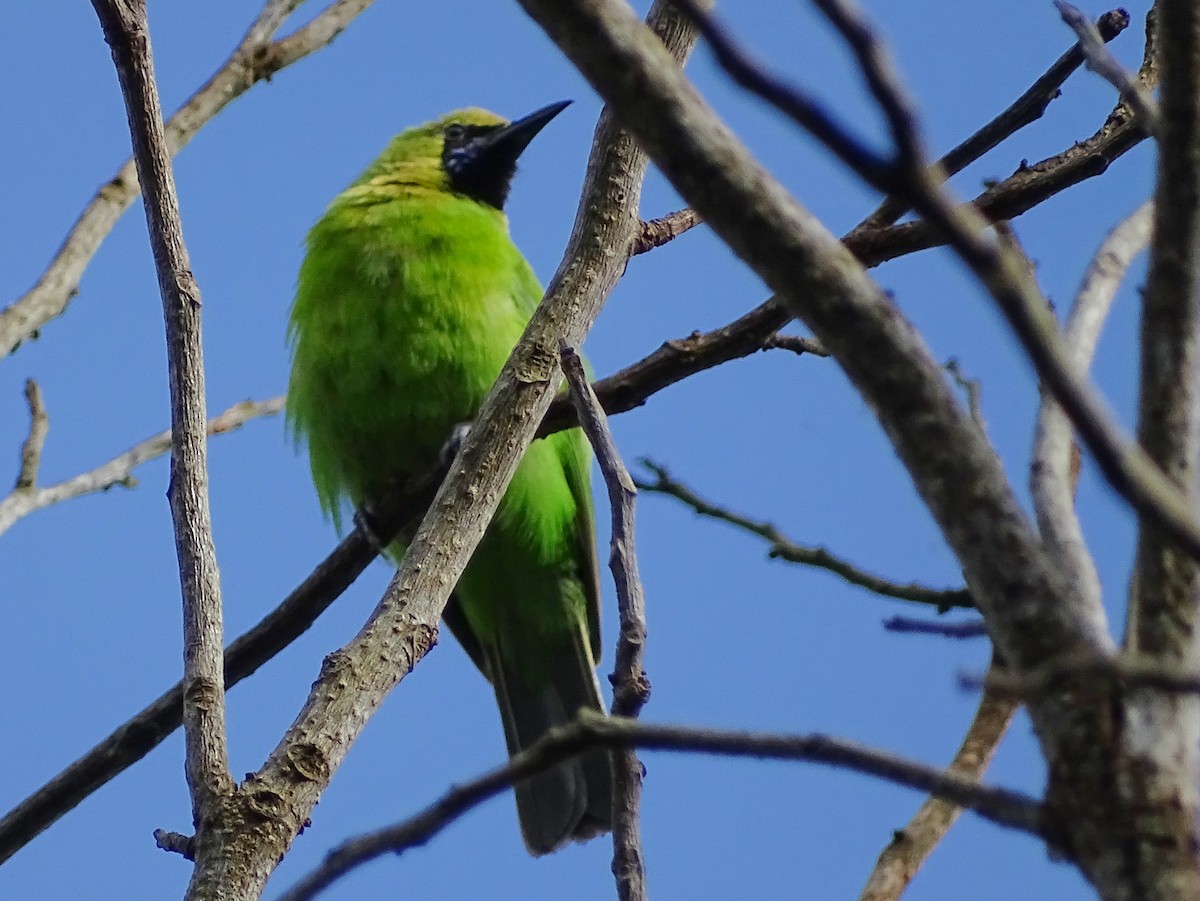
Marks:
<point>473,165</point>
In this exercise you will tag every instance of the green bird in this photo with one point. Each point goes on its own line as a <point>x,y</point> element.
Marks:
<point>409,300</point>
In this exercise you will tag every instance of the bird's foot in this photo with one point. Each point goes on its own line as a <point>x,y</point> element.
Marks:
<point>366,521</point>
<point>453,444</point>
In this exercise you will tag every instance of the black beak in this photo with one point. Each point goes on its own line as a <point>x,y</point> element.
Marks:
<point>502,146</point>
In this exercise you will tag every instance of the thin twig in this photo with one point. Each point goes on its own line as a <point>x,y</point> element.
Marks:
<point>657,232</point>
<point>1099,59</point>
<point>31,449</point>
<point>1000,806</point>
<point>207,757</point>
<point>797,344</point>
<point>119,470</point>
<point>970,387</point>
<point>784,548</point>
<point>1026,109</point>
<point>256,58</point>
<point>911,845</point>
<point>631,687</point>
<point>974,628</point>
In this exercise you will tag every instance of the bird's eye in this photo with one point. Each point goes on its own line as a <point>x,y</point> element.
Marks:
<point>455,133</point>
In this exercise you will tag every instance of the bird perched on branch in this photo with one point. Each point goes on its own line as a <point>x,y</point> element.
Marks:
<point>409,300</point>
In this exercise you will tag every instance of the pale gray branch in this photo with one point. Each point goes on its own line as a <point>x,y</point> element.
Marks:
<point>119,470</point>
<point>256,58</point>
<point>207,758</point>
<point>1052,479</point>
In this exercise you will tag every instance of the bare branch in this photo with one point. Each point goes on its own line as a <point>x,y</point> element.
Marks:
<point>1103,63</point>
<point>910,846</point>
<point>254,59</point>
<point>31,449</point>
<point>1125,669</point>
<point>658,232</point>
<point>207,759</point>
<point>796,344</point>
<point>1026,109</point>
<point>1000,806</point>
<point>631,687</point>
<point>784,548</point>
<point>1053,474</point>
<point>1162,741</point>
<point>973,628</point>
<point>119,470</point>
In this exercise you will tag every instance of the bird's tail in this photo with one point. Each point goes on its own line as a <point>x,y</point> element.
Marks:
<point>573,799</point>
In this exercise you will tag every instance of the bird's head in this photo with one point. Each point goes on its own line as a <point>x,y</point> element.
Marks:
<point>471,152</point>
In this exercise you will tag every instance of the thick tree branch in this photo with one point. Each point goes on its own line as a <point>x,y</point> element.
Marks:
<point>255,59</point>
<point>1000,806</point>
<point>207,758</point>
<point>1130,470</point>
<point>1161,746</point>
<point>783,548</point>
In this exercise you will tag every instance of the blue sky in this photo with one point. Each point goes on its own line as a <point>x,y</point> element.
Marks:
<point>89,616</point>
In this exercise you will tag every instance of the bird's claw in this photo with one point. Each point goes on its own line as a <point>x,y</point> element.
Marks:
<point>453,444</point>
<point>367,523</point>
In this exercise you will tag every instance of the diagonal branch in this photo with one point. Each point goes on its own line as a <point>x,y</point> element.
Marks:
<point>256,58</point>
<point>1026,109</point>
<point>912,845</point>
<point>784,548</point>
<point>146,730</point>
<point>1126,466</point>
<point>119,470</point>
